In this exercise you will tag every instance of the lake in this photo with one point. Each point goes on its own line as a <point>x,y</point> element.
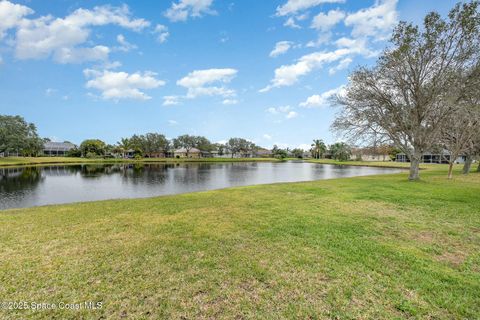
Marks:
<point>34,186</point>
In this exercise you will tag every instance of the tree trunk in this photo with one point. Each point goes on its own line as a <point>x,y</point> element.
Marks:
<point>467,165</point>
<point>414,167</point>
<point>478,168</point>
<point>450,170</point>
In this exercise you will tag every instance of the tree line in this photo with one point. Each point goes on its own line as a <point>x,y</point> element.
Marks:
<point>19,136</point>
<point>423,92</point>
<point>156,144</point>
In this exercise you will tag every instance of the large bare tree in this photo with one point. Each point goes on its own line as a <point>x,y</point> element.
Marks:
<point>409,95</point>
<point>458,134</point>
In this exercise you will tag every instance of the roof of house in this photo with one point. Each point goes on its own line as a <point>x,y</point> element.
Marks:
<point>50,145</point>
<point>264,151</point>
<point>183,150</point>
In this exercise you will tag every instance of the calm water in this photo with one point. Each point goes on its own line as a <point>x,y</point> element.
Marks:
<point>33,186</point>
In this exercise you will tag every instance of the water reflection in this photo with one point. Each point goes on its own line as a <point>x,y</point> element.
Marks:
<point>31,186</point>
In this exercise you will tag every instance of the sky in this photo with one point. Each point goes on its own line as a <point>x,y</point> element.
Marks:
<point>261,70</point>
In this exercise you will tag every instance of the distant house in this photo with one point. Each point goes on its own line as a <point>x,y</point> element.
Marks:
<point>192,153</point>
<point>429,157</point>
<point>158,154</point>
<point>217,154</point>
<point>370,154</point>
<point>263,153</point>
<point>55,149</point>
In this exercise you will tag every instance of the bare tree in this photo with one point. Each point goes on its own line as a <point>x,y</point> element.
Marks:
<point>472,153</point>
<point>409,95</point>
<point>458,134</point>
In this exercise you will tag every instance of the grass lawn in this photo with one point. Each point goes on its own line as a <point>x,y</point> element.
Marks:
<point>24,161</point>
<point>376,247</point>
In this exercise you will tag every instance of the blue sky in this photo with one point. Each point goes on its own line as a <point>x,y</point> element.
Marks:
<point>261,70</point>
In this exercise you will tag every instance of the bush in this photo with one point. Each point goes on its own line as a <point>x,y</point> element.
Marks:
<point>92,155</point>
<point>75,152</point>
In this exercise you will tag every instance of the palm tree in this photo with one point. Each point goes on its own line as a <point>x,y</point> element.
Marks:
<point>340,151</point>
<point>318,148</point>
<point>124,145</point>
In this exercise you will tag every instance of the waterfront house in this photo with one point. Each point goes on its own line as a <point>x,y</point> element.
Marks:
<point>429,157</point>
<point>370,154</point>
<point>263,153</point>
<point>192,153</point>
<point>54,149</point>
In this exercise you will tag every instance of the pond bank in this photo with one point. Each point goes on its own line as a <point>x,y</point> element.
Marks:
<point>31,161</point>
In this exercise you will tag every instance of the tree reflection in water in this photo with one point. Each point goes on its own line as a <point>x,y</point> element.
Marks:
<point>17,179</point>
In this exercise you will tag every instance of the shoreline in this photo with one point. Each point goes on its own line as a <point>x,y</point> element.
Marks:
<point>46,161</point>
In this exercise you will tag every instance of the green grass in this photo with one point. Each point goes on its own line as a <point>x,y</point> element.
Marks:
<point>27,161</point>
<point>390,164</point>
<point>376,247</point>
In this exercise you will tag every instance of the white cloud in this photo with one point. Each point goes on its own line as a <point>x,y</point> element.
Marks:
<point>288,75</point>
<point>162,33</point>
<point>50,91</point>
<point>172,122</point>
<point>11,15</point>
<point>62,38</point>
<point>290,22</point>
<point>324,22</point>
<point>229,101</point>
<point>272,110</point>
<point>184,9</point>
<point>376,21</point>
<point>291,115</point>
<point>111,65</point>
<point>283,110</point>
<point>267,136</point>
<point>281,145</point>
<point>171,100</point>
<point>121,85</point>
<point>322,100</point>
<point>281,47</point>
<point>322,39</point>
<point>197,82</point>
<point>79,55</point>
<point>124,44</point>
<point>356,46</point>
<point>294,6</point>
<point>342,65</point>
<point>304,146</point>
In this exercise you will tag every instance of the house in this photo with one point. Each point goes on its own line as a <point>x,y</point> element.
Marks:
<point>429,157</point>
<point>54,149</point>
<point>157,154</point>
<point>370,154</point>
<point>263,153</point>
<point>192,153</point>
<point>228,154</point>
<point>218,154</point>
